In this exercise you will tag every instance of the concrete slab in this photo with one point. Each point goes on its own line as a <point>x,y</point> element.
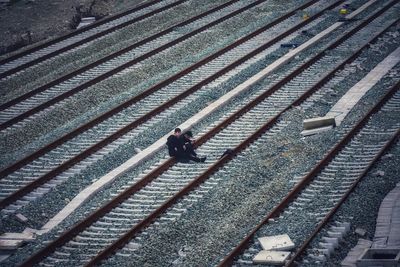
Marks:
<point>17,236</point>
<point>319,122</point>
<point>355,253</point>
<point>379,257</point>
<point>271,257</point>
<point>387,230</point>
<point>10,244</point>
<point>353,96</point>
<point>276,242</point>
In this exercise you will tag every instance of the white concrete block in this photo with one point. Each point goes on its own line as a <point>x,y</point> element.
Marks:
<point>276,242</point>
<point>319,122</point>
<point>10,244</point>
<point>21,218</point>
<point>271,257</point>
<point>17,236</point>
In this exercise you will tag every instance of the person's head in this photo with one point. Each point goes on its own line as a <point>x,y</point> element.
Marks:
<point>188,134</point>
<point>177,132</point>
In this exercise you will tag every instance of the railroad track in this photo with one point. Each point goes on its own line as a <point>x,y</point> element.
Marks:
<point>62,154</point>
<point>96,68</point>
<point>83,36</point>
<point>145,195</point>
<point>33,104</point>
<point>320,193</point>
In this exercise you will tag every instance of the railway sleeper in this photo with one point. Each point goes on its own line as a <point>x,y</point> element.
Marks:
<point>124,217</point>
<point>161,192</point>
<point>97,239</point>
<point>140,205</point>
<point>90,232</point>
<point>55,260</point>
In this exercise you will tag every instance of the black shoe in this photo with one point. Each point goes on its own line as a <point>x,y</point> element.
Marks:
<point>203,159</point>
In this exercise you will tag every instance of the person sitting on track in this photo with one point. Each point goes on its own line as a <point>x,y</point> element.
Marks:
<point>181,147</point>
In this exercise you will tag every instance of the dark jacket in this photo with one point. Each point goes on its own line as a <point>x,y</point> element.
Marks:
<point>174,145</point>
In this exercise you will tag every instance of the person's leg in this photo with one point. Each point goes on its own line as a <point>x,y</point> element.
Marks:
<point>190,150</point>
<point>197,159</point>
<point>182,159</point>
<point>194,158</point>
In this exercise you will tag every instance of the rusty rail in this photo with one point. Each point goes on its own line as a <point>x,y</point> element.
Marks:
<point>125,238</point>
<point>112,56</point>
<point>328,217</point>
<point>214,168</point>
<point>227,261</point>
<point>88,39</point>
<point>64,238</point>
<point>41,180</point>
<point>108,74</point>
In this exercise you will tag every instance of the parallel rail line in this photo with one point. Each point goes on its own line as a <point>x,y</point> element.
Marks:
<point>93,218</point>
<point>67,164</point>
<point>303,247</point>
<point>311,176</point>
<point>75,34</point>
<point>64,95</point>
<point>109,57</point>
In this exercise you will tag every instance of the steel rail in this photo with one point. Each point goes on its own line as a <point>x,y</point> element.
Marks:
<point>88,39</point>
<point>69,235</point>
<point>148,92</point>
<point>204,176</point>
<point>78,31</point>
<point>293,259</point>
<point>109,206</point>
<point>108,74</point>
<point>33,185</point>
<point>111,56</point>
<point>300,69</point>
<point>65,237</point>
<point>77,228</point>
<point>278,209</point>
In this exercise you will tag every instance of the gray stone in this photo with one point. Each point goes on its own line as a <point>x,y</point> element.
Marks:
<point>360,231</point>
<point>21,218</point>
<point>387,156</point>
